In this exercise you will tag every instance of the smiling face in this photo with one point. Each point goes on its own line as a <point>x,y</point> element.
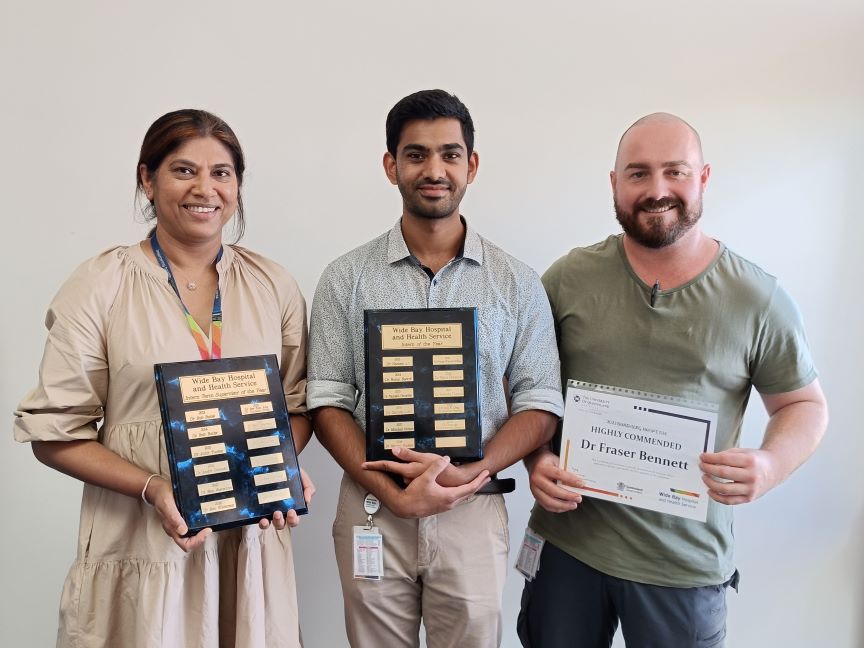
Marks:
<point>432,167</point>
<point>194,191</point>
<point>658,181</point>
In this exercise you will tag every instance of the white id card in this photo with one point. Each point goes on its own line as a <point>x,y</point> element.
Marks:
<point>529,555</point>
<point>368,553</point>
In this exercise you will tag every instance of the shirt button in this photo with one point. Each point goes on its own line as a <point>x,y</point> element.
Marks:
<point>434,282</point>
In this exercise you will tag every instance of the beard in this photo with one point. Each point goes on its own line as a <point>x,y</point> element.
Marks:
<point>414,203</point>
<point>654,232</point>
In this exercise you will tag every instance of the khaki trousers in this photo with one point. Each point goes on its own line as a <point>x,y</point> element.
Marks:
<point>447,569</point>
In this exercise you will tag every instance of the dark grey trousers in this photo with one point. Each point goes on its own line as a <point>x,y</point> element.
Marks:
<point>571,605</point>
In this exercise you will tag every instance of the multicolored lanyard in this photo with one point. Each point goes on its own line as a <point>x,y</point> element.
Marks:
<point>215,350</point>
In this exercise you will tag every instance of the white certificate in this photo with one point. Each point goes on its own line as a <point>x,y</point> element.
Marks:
<point>638,449</point>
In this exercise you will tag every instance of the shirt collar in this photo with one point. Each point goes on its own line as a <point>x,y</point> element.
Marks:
<point>397,249</point>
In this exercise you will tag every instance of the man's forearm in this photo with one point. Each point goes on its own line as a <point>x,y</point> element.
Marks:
<point>342,437</point>
<point>301,431</point>
<point>797,423</point>
<point>531,459</point>
<point>792,435</point>
<point>521,435</point>
<point>338,432</point>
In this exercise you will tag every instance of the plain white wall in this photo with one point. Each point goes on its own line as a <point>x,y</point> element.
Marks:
<point>776,90</point>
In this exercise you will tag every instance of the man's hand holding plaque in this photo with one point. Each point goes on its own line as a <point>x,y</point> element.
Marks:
<point>412,464</point>
<point>424,493</point>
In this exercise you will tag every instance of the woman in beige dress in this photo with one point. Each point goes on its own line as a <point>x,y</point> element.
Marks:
<point>137,582</point>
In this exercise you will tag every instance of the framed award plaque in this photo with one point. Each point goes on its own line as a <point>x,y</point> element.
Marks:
<point>228,437</point>
<point>421,382</point>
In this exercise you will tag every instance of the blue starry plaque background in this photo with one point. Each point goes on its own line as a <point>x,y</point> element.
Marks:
<point>240,457</point>
<point>425,437</point>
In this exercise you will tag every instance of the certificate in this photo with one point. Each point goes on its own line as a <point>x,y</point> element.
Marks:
<point>228,439</point>
<point>421,382</point>
<point>637,448</point>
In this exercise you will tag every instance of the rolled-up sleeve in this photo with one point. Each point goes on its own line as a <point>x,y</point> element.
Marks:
<point>332,379</point>
<point>534,371</point>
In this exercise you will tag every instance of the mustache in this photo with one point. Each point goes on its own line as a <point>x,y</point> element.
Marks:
<point>429,182</point>
<point>666,202</point>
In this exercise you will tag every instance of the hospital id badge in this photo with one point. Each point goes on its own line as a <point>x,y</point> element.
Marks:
<point>368,553</point>
<point>528,561</point>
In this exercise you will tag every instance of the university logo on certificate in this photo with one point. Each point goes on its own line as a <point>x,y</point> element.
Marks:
<point>637,448</point>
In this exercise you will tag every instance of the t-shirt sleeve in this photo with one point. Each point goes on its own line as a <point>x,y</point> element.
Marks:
<point>782,360</point>
<point>551,280</point>
<point>69,399</point>
<point>534,371</point>
<point>332,380</point>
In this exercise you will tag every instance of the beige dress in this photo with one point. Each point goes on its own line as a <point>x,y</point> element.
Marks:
<point>131,586</point>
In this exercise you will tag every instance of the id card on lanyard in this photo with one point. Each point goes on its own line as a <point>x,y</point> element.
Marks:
<point>368,544</point>
<point>214,352</point>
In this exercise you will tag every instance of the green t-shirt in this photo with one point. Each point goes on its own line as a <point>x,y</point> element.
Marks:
<point>709,340</point>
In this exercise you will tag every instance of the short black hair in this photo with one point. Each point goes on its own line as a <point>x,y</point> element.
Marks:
<point>428,104</point>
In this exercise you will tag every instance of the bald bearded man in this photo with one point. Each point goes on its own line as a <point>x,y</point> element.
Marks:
<point>663,308</point>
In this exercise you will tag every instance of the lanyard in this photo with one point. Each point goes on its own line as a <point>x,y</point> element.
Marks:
<point>215,350</point>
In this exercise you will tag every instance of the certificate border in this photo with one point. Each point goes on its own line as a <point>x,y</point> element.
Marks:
<point>689,418</point>
<point>643,396</point>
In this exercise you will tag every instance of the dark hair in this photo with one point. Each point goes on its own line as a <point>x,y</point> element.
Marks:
<point>170,132</point>
<point>428,104</point>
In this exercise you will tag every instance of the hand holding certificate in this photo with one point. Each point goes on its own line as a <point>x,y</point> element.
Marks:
<point>638,449</point>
